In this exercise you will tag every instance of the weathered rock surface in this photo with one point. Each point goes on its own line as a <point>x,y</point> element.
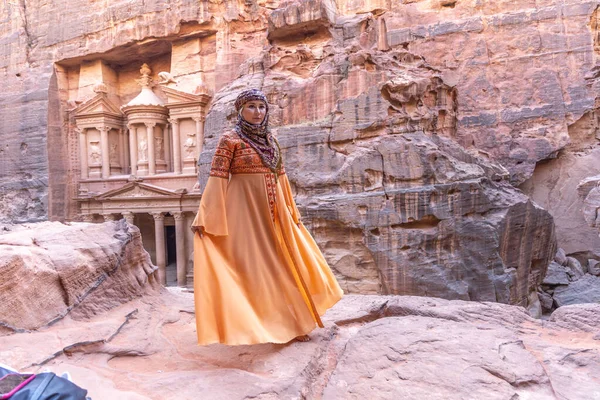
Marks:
<point>561,257</point>
<point>375,347</point>
<point>594,267</point>
<point>589,191</point>
<point>584,290</point>
<point>556,275</point>
<point>555,187</point>
<point>546,301</point>
<point>576,269</point>
<point>50,269</point>
<point>572,282</point>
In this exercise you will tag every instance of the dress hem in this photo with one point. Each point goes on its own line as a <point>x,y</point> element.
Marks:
<point>274,342</point>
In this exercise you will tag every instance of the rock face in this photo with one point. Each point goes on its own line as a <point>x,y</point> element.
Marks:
<point>403,122</point>
<point>398,206</point>
<point>449,231</point>
<point>50,270</point>
<point>561,187</point>
<point>374,347</point>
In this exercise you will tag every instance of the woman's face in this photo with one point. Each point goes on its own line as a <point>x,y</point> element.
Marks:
<point>254,111</point>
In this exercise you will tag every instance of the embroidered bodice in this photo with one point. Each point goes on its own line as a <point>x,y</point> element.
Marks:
<point>235,156</point>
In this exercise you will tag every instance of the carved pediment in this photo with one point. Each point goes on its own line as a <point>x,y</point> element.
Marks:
<point>98,104</point>
<point>177,97</point>
<point>138,190</point>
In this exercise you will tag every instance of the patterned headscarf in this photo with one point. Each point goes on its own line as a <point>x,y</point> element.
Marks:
<point>258,136</point>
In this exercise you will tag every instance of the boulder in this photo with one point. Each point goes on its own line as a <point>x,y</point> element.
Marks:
<point>584,290</point>
<point>50,270</point>
<point>561,257</point>
<point>594,267</point>
<point>556,275</point>
<point>576,269</point>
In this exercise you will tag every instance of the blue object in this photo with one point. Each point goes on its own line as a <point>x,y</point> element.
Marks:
<point>46,386</point>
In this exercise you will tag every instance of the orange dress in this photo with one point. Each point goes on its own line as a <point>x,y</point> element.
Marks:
<point>259,276</point>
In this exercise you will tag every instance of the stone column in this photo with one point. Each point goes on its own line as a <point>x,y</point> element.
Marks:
<point>151,156</point>
<point>129,217</point>
<point>199,136</point>
<point>133,148</point>
<point>109,217</point>
<point>125,151</point>
<point>87,217</point>
<point>176,146</point>
<point>159,237</point>
<point>105,154</point>
<point>83,153</point>
<point>167,144</point>
<point>180,244</point>
<point>121,135</point>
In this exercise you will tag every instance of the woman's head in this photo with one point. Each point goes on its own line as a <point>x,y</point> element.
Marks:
<point>252,106</point>
<point>253,127</point>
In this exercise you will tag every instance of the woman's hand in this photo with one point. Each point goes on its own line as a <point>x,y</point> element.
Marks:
<point>199,229</point>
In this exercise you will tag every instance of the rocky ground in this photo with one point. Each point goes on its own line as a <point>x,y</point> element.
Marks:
<point>372,347</point>
<point>83,298</point>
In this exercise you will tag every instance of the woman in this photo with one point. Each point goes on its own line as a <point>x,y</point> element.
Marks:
<point>259,276</point>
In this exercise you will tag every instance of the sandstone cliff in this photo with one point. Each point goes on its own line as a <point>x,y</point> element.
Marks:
<point>404,123</point>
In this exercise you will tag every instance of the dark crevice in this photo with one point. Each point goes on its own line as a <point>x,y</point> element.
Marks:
<point>383,176</point>
<point>449,4</point>
<point>428,221</point>
<point>99,280</point>
<point>388,311</point>
<point>85,345</point>
<point>12,328</point>
<point>31,43</point>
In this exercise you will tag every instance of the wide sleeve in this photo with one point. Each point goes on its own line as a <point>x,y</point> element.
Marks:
<point>211,212</point>
<point>289,197</point>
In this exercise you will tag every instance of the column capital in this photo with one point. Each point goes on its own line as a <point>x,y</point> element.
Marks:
<point>150,124</point>
<point>158,216</point>
<point>199,119</point>
<point>178,215</point>
<point>174,121</point>
<point>103,128</point>
<point>81,131</point>
<point>130,126</point>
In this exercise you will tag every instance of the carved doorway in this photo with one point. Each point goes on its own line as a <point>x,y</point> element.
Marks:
<point>171,245</point>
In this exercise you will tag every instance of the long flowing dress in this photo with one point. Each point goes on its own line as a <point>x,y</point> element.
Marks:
<point>259,276</point>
